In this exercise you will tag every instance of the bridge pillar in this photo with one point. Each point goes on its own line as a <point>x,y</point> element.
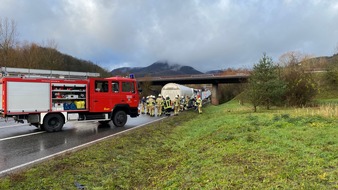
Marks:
<point>214,94</point>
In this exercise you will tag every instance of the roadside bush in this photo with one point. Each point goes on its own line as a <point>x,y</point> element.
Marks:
<point>301,86</point>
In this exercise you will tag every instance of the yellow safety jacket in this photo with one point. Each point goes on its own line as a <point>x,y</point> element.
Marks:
<point>167,104</point>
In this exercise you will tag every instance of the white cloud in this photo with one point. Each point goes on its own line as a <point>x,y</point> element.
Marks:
<point>119,65</point>
<point>207,35</point>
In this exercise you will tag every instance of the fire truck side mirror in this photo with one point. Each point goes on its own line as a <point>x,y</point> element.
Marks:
<point>139,88</point>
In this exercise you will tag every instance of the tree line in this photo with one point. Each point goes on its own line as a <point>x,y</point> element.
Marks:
<point>294,81</point>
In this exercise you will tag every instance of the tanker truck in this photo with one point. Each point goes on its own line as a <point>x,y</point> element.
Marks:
<point>173,89</point>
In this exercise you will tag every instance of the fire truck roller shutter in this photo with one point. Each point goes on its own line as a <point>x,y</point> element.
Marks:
<point>28,97</point>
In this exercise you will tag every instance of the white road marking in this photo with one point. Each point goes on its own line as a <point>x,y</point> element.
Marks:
<point>19,136</point>
<point>22,166</point>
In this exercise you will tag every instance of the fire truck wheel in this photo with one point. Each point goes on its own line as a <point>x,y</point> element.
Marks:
<point>53,122</point>
<point>120,118</point>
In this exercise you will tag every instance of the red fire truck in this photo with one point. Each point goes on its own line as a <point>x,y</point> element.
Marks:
<point>47,101</point>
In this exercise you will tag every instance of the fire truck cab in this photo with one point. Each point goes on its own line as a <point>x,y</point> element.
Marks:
<point>48,102</point>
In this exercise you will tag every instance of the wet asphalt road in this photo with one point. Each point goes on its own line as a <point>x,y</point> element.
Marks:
<point>21,144</point>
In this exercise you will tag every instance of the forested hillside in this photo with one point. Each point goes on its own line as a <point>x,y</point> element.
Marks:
<point>36,57</point>
<point>14,53</point>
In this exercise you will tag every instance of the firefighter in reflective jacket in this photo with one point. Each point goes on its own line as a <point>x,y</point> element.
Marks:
<point>151,106</point>
<point>177,105</point>
<point>159,104</point>
<point>167,106</point>
<point>147,105</point>
<point>199,104</point>
<point>182,103</point>
<point>187,100</point>
<point>143,105</point>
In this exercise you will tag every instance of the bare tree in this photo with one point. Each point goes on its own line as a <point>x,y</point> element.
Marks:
<point>8,37</point>
<point>31,55</point>
<point>290,58</point>
<point>52,58</point>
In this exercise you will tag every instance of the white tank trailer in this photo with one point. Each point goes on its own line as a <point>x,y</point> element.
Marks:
<point>204,94</point>
<point>173,89</point>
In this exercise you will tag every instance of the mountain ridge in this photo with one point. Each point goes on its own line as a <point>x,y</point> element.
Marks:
<point>159,68</point>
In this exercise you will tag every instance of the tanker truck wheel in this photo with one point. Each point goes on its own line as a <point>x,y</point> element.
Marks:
<point>37,125</point>
<point>53,122</point>
<point>120,118</point>
<point>104,123</point>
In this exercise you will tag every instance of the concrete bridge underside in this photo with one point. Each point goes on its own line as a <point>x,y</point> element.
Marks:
<point>200,79</point>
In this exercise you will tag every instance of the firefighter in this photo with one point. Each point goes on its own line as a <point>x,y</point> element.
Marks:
<point>159,104</point>
<point>151,106</point>
<point>176,105</point>
<point>167,105</point>
<point>193,102</point>
<point>147,104</point>
<point>163,100</point>
<point>199,104</point>
<point>187,99</point>
<point>182,103</point>
<point>143,105</point>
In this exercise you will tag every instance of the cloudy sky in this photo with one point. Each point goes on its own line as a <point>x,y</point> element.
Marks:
<point>205,34</point>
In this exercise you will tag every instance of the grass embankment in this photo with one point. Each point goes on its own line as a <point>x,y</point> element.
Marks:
<point>226,147</point>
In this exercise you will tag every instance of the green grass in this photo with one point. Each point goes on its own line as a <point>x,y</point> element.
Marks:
<point>226,147</point>
<point>327,93</point>
<point>327,101</point>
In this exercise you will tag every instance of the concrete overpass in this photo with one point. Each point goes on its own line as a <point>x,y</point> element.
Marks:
<point>199,79</point>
